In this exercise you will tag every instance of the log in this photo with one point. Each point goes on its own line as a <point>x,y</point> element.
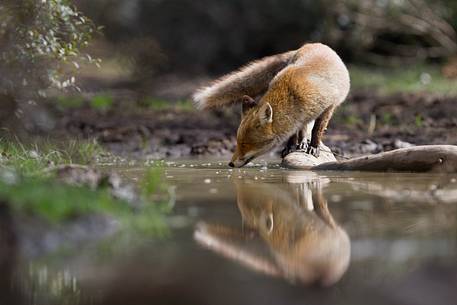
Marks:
<point>417,159</point>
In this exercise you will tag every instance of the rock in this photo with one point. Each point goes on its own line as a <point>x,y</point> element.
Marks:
<point>368,147</point>
<point>302,160</point>
<point>79,175</point>
<point>402,144</point>
<point>83,175</point>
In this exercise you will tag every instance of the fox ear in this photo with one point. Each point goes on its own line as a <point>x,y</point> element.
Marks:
<point>247,103</point>
<point>266,113</point>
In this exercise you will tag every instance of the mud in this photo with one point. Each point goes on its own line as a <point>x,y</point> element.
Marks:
<point>366,123</point>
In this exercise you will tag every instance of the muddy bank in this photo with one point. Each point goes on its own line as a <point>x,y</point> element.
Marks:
<point>366,123</point>
<point>372,123</point>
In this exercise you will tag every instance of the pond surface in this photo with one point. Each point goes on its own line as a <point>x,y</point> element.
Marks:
<point>262,235</point>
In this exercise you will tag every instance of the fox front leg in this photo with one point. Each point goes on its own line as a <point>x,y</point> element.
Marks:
<point>298,142</point>
<point>303,142</point>
<point>291,145</point>
<point>314,151</point>
<point>318,131</point>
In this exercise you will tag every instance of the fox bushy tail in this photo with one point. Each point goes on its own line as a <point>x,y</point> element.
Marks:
<point>252,80</point>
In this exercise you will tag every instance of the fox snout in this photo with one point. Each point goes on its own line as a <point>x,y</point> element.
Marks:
<point>255,135</point>
<point>239,161</point>
<point>236,162</point>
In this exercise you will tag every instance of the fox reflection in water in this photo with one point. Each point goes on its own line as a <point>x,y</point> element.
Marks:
<point>292,219</point>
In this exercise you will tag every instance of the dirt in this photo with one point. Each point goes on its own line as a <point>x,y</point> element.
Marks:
<point>366,123</point>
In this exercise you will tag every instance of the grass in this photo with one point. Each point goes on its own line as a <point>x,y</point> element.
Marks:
<point>159,104</point>
<point>101,102</point>
<point>34,158</point>
<point>27,188</point>
<point>104,102</point>
<point>413,78</point>
<point>69,102</point>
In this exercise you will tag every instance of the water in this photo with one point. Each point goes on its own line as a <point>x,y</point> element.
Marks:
<point>263,235</point>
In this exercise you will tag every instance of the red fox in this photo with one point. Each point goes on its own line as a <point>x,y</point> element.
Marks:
<point>295,88</point>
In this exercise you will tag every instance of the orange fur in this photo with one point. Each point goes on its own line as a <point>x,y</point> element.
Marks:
<point>308,245</point>
<point>311,82</point>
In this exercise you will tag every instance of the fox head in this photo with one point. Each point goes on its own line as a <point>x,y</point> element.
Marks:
<point>255,135</point>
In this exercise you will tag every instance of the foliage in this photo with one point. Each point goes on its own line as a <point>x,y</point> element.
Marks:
<point>211,35</point>
<point>37,37</point>
<point>217,36</point>
<point>34,158</point>
<point>390,30</point>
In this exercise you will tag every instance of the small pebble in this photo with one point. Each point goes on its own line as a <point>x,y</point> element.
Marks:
<point>213,191</point>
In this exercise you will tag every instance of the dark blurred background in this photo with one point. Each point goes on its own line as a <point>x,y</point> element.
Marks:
<point>210,36</point>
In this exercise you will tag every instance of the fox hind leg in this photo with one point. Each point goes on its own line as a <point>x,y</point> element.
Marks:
<point>318,131</point>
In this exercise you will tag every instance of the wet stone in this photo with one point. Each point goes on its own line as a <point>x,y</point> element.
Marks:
<point>302,160</point>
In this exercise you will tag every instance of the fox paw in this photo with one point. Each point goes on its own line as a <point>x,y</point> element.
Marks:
<point>314,151</point>
<point>303,146</point>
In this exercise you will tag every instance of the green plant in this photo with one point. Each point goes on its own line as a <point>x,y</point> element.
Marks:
<point>34,158</point>
<point>387,119</point>
<point>159,104</point>
<point>37,39</point>
<point>65,102</point>
<point>418,120</point>
<point>102,102</point>
<point>352,120</point>
<point>155,104</point>
<point>185,105</point>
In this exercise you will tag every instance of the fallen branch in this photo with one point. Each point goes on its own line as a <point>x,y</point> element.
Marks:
<point>428,158</point>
